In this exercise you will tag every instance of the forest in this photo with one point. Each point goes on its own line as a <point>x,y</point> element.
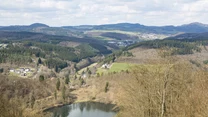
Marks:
<point>23,52</point>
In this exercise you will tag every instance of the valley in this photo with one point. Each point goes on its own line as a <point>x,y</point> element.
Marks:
<point>95,58</point>
<point>143,71</point>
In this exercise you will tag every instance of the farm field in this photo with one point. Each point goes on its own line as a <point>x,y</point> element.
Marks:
<point>116,67</point>
<point>119,67</point>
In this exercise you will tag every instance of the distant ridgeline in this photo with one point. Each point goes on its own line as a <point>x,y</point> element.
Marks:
<point>130,27</point>
<point>187,28</point>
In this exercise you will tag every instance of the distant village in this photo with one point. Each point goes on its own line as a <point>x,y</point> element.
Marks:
<point>2,46</point>
<point>123,43</point>
<point>21,71</point>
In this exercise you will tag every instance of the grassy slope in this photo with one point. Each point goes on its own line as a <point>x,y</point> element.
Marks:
<point>20,90</point>
<point>116,67</point>
<point>97,33</point>
<point>145,84</point>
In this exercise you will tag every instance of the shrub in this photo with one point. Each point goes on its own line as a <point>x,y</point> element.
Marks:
<point>205,62</point>
<point>58,84</point>
<point>1,70</point>
<point>67,80</point>
<point>106,87</point>
<point>64,93</point>
<point>41,78</point>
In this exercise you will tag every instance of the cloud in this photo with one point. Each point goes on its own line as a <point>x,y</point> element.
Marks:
<point>78,12</point>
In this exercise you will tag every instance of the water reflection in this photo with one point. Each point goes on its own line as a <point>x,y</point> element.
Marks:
<point>86,109</point>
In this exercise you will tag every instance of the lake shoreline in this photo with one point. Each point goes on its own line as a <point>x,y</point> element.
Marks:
<point>115,109</point>
<point>80,109</point>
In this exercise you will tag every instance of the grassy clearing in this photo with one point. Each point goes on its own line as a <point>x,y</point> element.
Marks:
<point>116,67</point>
<point>97,33</point>
<point>117,31</point>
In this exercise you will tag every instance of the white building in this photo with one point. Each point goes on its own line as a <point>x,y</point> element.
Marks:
<point>27,69</point>
<point>105,66</point>
<point>12,70</point>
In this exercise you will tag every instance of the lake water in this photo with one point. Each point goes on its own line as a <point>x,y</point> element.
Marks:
<point>86,109</point>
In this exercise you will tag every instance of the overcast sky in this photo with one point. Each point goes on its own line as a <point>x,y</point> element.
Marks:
<point>81,12</point>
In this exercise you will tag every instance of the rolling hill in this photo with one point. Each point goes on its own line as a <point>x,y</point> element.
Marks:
<point>87,45</point>
<point>33,36</point>
<point>190,36</point>
<point>186,28</point>
<point>42,28</point>
<point>78,31</point>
